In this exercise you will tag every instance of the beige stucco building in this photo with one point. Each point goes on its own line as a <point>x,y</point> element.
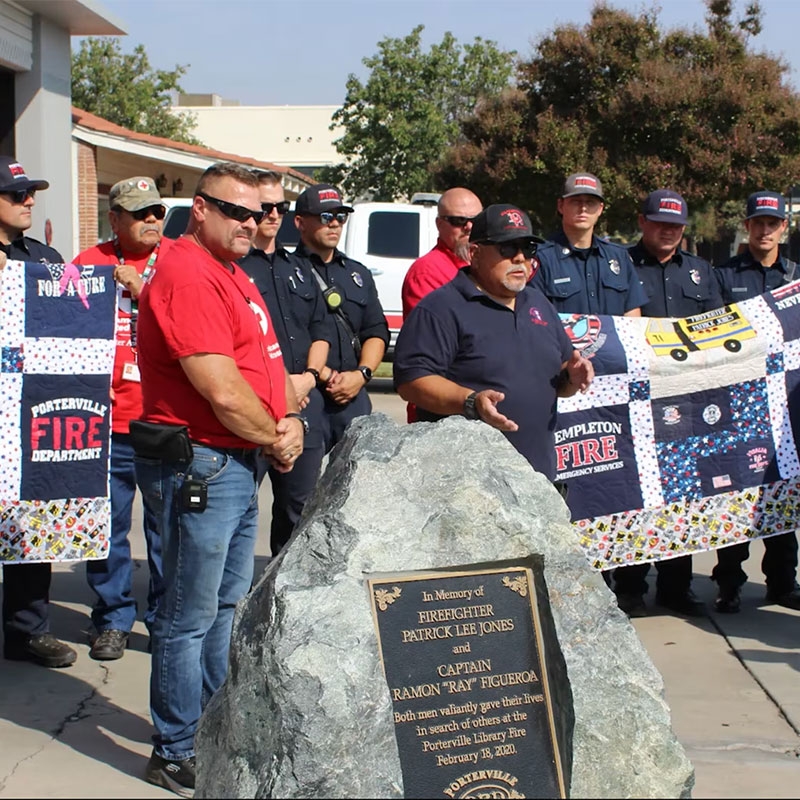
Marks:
<point>291,136</point>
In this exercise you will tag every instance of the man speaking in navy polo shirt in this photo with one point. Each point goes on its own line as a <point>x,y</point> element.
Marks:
<point>491,347</point>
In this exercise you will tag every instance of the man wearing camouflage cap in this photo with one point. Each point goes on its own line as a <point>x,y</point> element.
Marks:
<point>136,215</point>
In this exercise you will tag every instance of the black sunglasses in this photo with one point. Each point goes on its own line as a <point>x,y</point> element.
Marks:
<point>159,212</point>
<point>510,249</point>
<point>19,196</point>
<point>232,211</point>
<point>457,222</point>
<point>281,207</point>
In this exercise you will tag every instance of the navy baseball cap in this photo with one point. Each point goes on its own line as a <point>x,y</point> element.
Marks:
<point>502,223</point>
<point>582,183</point>
<point>13,177</point>
<point>318,198</point>
<point>766,204</point>
<point>664,205</point>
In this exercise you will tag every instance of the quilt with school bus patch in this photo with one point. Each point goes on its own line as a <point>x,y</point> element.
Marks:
<point>57,334</point>
<point>687,439</point>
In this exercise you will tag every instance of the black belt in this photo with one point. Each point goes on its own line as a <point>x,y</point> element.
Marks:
<point>234,452</point>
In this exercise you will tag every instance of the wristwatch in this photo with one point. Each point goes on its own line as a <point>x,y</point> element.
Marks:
<point>469,411</point>
<point>301,418</point>
<point>367,373</point>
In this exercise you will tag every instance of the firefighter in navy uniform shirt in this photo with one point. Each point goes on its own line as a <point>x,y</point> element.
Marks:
<point>26,587</point>
<point>362,333</point>
<point>760,268</point>
<point>678,284</point>
<point>305,332</point>
<point>491,347</point>
<point>580,273</point>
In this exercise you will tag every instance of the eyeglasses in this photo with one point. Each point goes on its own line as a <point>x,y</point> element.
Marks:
<point>19,196</point>
<point>457,222</point>
<point>232,211</point>
<point>510,249</point>
<point>281,207</point>
<point>159,212</point>
<point>326,217</point>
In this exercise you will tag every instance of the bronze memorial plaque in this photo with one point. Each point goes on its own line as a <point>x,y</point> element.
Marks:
<point>464,658</point>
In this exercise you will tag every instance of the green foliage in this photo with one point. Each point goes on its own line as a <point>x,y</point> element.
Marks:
<point>643,109</point>
<point>402,120</point>
<point>126,90</point>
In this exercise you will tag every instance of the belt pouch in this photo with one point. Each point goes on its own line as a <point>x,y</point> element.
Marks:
<point>160,442</point>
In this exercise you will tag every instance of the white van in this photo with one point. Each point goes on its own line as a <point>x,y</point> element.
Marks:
<point>386,237</point>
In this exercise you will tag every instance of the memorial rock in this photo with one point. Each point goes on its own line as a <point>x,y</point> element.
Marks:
<point>306,710</point>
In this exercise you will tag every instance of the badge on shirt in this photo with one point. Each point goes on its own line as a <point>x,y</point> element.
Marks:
<point>357,279</point>
<point>299,273</point>
<point>536,316</point>
<point>130,372</point>
<point>695,276</point>
<point>614,265</point>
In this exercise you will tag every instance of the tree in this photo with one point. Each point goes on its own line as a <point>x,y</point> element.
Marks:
<point>401,121</point>
<point>642,109</point>
<point>126,90</point>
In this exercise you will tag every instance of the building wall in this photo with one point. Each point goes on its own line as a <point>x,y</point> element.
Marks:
<point>290,136</point>
<point>16,37</point>
<point>35,47</point>
<point>44,130</point>
<point>87,196</point>
<point>38,53</point>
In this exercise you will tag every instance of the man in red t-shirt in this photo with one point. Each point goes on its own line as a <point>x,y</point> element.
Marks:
<point>457,208</point>
<point>136,214</point>
<point>214,391</point>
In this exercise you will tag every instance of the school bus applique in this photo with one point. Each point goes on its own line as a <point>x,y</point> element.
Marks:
<point>724,327</point>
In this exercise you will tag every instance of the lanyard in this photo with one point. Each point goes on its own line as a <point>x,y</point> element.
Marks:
<point>148,271</point>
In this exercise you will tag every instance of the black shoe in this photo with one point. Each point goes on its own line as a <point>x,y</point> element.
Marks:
<point>632,604</point>
<point>177,776</point>
<point>790,599</point>
<point>109,645</point>
<point>43,649</point>
<point>685,603</point>
<point>728,600</point>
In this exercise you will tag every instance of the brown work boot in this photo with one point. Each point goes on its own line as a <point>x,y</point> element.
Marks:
<point>42,649</point>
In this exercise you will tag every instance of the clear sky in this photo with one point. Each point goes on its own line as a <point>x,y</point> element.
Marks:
<point>300,52</point>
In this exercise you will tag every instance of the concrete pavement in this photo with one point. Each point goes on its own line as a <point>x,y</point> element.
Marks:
<point>732,682</point>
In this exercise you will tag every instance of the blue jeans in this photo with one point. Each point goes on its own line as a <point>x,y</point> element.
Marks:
<point>111,579</point>
<point>208,568</point>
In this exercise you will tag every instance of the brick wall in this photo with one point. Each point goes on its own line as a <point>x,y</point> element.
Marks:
<point>87,195</point>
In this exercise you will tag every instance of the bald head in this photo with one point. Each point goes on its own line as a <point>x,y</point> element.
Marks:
<point>459,202</point>
<point>456,206</point>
